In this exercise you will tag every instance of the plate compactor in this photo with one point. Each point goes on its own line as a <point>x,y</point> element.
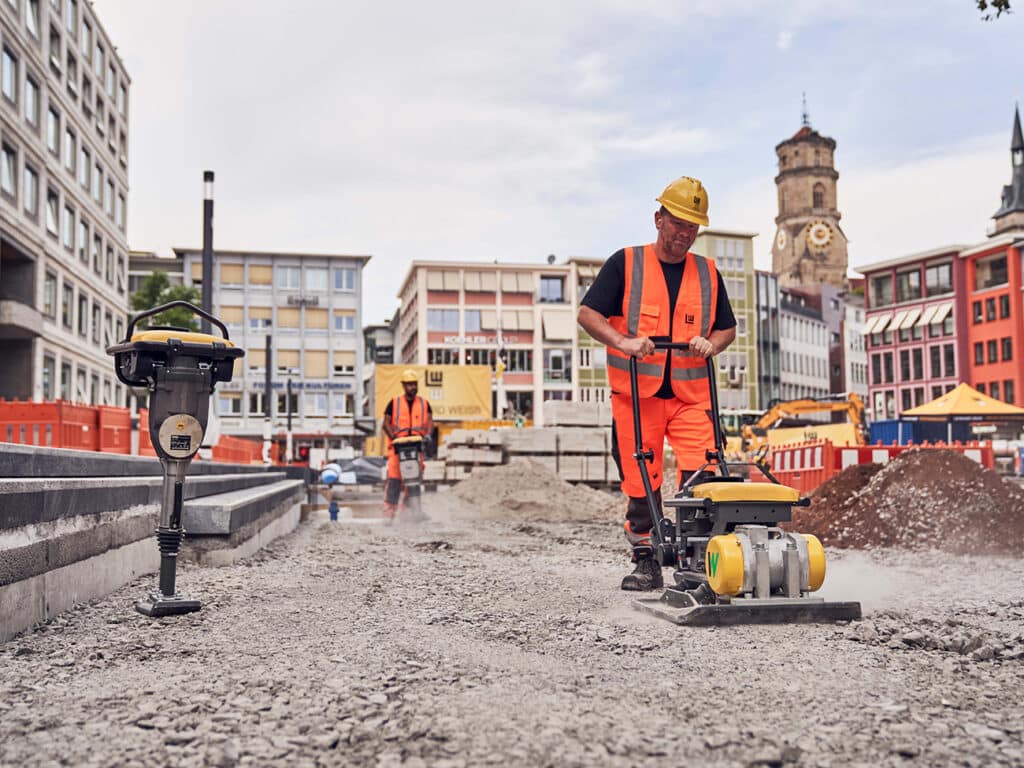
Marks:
<point>734,565</point>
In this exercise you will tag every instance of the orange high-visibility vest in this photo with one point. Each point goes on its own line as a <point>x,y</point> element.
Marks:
<point>412,420</point>
<point>645,312</point>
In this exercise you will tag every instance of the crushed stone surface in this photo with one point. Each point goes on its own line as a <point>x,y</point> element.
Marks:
<point>507,642</point>
<point>922,499</point>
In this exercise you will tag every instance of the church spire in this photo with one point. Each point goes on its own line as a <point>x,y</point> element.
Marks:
<point>805,119</point>
<point>1010,215</point>
<point>1017,142</point>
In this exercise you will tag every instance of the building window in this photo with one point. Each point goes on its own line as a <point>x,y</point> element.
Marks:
<point>472,321</point>
<point>981,388</point>
<point>52,212</point>
<point>49,371</point>
<point>32,17</point>
<point>345,320</point>
<point>71,72</point>
<point>50,295</point>
<point>990,272</point>
<point>68,229</point>
<point>31,102</point>
<point>97,182</point>
<point>8,170</point>
<point>990,309</point>
<point>979,353</point>
<point>818,194</point>
<point>286,404</point>
<point>97,251</point>
<point>557,365</point>
<point>99,61</point>
<point>908,285</point>
<point>440,356</point>
<point>71,17</point>
<point>935,356</point>
<point>65,381</point>
<point>1008,392</point>
<point>887,361</point>
<point>86,43</point>
<point>442,320</point>
<point>1007,349</point>
<point>83,241</point>
<point>1004,306</point>
<point>344,279</point>
<point>119,211</point>
<point>978,314</point>
<point>993,351</point>
<point>229,404</point>
<point>551,289</point>
<point>67,308</point>
<point>881,290</point>
<point>949,359</point>
<point>938,279</point>
<point>122,100</point>
<point>916,356</point>
<point>83,315</point>
<point>876,368</point>
<point>9,76</point>
<point>55,50</point>
<point>936,392</point>
<point>519,360</point>
<point>108,199</point>
<point>316,279</point>
<point>993,390</point>
<point>288,278</point>
<point>111,81</point>
<point>256,404</point>
<point>905,396</point>
<point>904,365</point>
<point>481,357</point>
<point>110,264</point>
<point>96,324</point>
<point>84,166</point>
<point>31,191</point>
<point>53,131</point>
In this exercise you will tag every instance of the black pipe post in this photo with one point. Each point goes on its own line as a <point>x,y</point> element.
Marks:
<point>207,297</point>
<point>267,383</point>
<point>288,404</point>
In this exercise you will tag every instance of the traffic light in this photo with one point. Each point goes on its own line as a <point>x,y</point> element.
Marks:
<point>303,454</point>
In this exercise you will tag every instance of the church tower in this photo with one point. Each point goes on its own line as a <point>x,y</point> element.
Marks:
<point>1010,215</point>
<point>809,247</point>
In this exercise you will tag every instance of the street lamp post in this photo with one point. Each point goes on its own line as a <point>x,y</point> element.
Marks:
<point>207,297</point>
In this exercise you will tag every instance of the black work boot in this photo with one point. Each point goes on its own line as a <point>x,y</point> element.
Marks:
<point>645,577</point>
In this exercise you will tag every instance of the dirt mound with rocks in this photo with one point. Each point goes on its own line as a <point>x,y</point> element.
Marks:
<point>923,499</point>
<point>525,489</point>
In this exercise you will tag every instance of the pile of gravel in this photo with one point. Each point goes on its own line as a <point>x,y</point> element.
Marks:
<point>923,499</point>
<point>525,489</point>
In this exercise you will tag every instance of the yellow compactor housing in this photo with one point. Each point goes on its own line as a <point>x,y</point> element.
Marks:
<point>760,561</point>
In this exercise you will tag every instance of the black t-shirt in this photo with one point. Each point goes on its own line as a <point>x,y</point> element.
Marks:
<point>606,294</point>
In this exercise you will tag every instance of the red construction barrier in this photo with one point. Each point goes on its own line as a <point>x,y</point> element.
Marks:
<point>236,450</point>
<point>145,444</point>
<point>29,423</point>
<point>115,426</point>
<point>805,466</point>
<point>79,426</point>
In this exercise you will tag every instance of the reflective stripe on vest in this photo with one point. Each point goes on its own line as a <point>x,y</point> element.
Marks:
<point>636,291</point>
<point>642,369</point>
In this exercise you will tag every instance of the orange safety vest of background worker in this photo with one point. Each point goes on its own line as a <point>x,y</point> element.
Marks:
<point>407,414</point>
<point>662,291</point>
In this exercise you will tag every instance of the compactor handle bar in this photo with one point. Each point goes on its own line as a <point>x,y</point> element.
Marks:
<point>170,305</point>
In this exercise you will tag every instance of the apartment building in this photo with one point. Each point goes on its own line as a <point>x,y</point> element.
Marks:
<point>142,264</point>
<point>733,254</point>
<point>464,313</point>
<point>995,332</point>
<point>803,347</point>
<point>310,307</point>
<point>63,202</point>
<point>915,329</point>
<point>854,361</point>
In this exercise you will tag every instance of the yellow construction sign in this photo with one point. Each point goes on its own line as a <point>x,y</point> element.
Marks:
<point>455,392</point>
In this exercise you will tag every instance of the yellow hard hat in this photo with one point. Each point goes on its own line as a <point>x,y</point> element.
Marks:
<point>409,376</point>
<point>685,198</point>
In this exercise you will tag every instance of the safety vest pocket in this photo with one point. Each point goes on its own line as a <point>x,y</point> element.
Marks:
<point>650,314</point>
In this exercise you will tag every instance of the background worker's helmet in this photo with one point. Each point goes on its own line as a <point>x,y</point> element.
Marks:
<point>686,199</point>
<point>409,376</point>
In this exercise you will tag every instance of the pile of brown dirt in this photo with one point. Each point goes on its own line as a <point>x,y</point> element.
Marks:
<point>923,499</point>
<point>524,489</point>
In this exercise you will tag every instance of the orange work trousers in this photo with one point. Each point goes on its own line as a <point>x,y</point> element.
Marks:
<point>686,425</point>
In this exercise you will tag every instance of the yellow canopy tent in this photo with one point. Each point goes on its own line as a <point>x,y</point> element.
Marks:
<point>963,403</point>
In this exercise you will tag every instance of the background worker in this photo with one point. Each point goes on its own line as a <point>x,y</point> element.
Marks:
<point>407,414</point>
<point>660,291</point>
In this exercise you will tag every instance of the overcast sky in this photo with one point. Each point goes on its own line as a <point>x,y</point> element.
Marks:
<point>473,130</point>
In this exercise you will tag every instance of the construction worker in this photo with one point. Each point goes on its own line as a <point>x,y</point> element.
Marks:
<point>407,414</point>
<point>660,291</point>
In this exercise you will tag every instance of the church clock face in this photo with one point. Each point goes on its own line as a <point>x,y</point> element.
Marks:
<point>781,241</point>
<point>819,235</point>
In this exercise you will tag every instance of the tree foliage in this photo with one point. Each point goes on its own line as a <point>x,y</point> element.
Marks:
<point>156,290</point>
<point>993,9</point>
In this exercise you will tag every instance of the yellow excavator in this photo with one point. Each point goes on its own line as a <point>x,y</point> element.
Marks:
<point>775,428</point>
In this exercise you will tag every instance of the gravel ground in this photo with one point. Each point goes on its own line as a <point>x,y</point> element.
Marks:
<point>505,643</point>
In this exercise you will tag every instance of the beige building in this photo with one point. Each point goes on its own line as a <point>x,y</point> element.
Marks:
<point>63,202</point>
<point>463,313</point>
<point>809,246</point>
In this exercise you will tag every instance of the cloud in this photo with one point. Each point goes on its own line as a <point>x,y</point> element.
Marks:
<point>785,38</point>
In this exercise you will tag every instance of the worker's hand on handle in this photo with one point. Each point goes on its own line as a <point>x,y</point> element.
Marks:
<point>701,347</point>
<point>636,346</point>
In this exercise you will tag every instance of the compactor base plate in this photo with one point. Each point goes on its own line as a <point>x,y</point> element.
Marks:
<point>156,605</point>
<point>775,610</point>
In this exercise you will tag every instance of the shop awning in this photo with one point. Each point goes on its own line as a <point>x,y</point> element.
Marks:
<point>897,321</point>
<point>942,312</point>
<point>929,313</point>
<point>909,320</point>
<point>559,326</point>
<point>876,323</point>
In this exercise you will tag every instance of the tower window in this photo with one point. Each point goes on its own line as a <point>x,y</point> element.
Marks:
<point>817,157</point>
<point>819,195</point>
